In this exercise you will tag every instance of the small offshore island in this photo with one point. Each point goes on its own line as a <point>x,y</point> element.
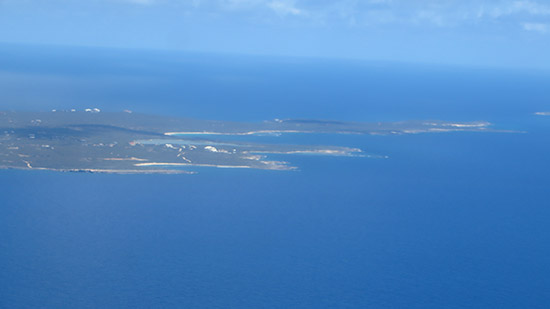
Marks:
<point>126,142</point>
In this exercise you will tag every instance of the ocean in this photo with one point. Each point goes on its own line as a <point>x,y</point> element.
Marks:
<point>448,220</point>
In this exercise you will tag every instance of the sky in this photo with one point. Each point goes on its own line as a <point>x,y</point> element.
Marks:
<point>504,33</point>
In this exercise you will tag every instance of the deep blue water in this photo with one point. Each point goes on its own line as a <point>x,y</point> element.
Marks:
<point>449,220</point>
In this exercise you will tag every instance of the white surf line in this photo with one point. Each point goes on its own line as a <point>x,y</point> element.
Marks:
<point>480,124</point>
<point>125,159</point>
<point>236,133</point>
<point>327,152</point>
<point>183,158</point>
<point>190,164</point>
<point>102,171</point>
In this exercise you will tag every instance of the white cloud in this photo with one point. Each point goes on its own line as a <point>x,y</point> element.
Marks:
<point>430,16</point>
<point>142,2</point>
<point>536,27</point>
<point>284,8</point>
<point>531,7</point>
<point>519,7</point>
<point>238,4</point>
<point>530,15</point>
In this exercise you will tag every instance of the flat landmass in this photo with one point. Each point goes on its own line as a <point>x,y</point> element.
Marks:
<point>125,142</point>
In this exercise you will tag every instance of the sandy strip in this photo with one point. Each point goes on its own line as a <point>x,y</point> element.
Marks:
<point>102,171</point>
<point>190,164</point>
<point>237,133</point>
<point>124,159</point>
<point>467,125</point>
<point>306,152</point>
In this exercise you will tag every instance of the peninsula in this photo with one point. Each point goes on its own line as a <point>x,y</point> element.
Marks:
<point>126,142</point>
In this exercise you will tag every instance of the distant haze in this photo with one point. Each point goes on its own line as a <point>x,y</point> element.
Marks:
<point>507,33</point>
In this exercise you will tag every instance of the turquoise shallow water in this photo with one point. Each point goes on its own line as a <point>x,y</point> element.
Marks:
<point>448,220</point>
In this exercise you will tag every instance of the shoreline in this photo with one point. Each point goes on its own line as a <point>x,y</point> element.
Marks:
<point>236,133</point>
<point>98,171</point>
<point>274,166</point>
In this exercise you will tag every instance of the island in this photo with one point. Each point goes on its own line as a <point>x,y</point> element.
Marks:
<point>125,142</point>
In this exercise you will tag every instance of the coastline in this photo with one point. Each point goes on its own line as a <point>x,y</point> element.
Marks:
<point>98,171</point>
